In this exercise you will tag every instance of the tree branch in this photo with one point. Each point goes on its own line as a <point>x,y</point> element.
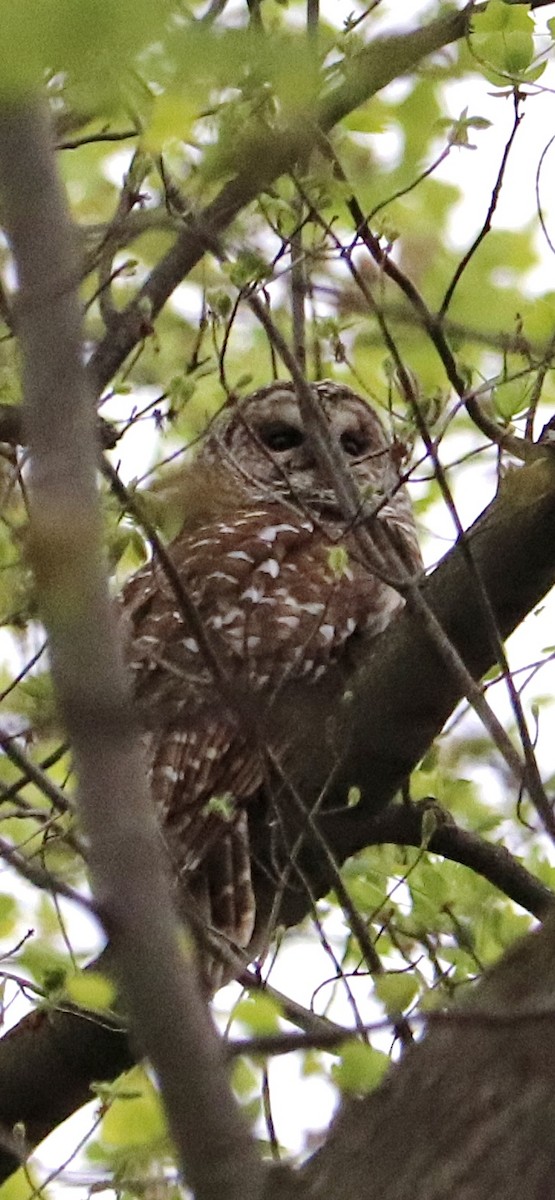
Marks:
<point>128,870</point>
<point>260,161</point>
<point>402,825</point>
<point>402,694</point>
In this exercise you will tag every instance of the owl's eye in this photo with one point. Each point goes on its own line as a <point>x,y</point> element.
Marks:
<point>280,437</point>
<point>354,443</point>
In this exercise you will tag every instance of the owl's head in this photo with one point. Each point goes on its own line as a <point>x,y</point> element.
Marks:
<point>262,439</point>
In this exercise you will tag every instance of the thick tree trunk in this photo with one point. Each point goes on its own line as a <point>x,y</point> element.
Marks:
<point>470,1113</point>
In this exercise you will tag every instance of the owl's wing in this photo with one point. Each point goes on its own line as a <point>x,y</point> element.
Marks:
<point>199,775</point>
<point>279,600</point>
<point>202,775</point>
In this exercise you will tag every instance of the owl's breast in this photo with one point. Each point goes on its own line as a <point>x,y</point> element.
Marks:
<point>278,596</point>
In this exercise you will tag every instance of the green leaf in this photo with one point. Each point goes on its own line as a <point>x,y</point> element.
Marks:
<point>361,1068</point>
<point>367,893</point>
<point>249,267</point>
<point>245,1078</point>
<point>396,991</point>
<point>354,796</point>
<point>96,40</point>
<point>8,915</point>
<point>430,879</point>
<point>500,16</point>
<point>222,806</point>
<point>260,1013</point>
<point>338,561</point>
<point>173,116</point>
<point>23,1184</point>
<point>374,117</point>
<point>91,989</point>
<point>48,966</point>
<point>510,398</point>
<point>135,1116</point>
<point>502,39</point>
<point>458,130</point>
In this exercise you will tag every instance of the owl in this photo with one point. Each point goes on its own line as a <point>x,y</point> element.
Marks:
<point>268,595</point>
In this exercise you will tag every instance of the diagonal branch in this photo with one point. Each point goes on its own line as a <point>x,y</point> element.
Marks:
<point>403,694</point>
<point>260,161</point>
<point>402,825</point>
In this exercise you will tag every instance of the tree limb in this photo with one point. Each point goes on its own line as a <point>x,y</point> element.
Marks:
<point>401,693</point>
<point>260,161</point>
<point>402,825</point>
<point>129,872</point>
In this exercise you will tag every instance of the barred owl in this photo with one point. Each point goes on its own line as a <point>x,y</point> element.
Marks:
<point>281,590</point>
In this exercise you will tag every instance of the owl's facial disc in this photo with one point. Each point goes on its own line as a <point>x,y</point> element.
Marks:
<point>277,425</point>
<point>265,435</point>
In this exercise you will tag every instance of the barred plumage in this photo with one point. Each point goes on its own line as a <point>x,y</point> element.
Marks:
<point>281,588</point>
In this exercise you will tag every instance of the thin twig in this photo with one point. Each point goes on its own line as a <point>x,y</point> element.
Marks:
<point>42,878</point>
<point>123,135</point>
<point>331,459</point>
<point>366,73</point>
<point>432,325</point>
<point>34,773</point>
<point>184,601</point>
<point>490,213</point>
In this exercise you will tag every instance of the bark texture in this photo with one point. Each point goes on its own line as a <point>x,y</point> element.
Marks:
<point>469,1115</point>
